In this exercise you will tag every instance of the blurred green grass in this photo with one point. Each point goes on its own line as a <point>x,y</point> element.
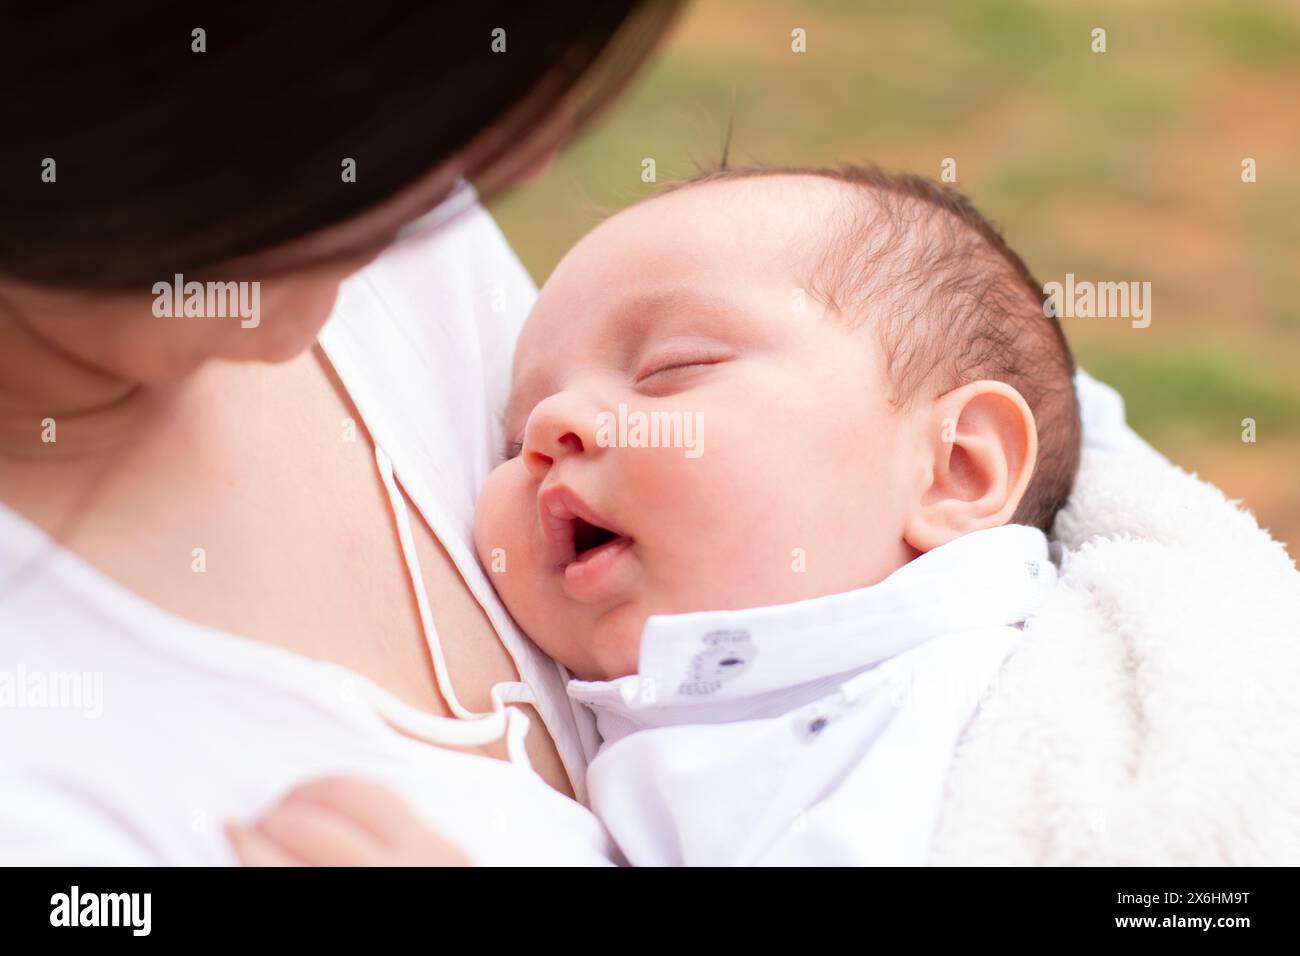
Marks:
<point>1195,393</point>
<point>1121,165</point>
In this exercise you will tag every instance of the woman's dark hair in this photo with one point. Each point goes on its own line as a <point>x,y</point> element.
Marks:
<point>168,158</point>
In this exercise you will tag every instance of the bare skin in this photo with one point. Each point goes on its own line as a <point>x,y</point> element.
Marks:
<point>341,822</point>
<point>231,442</point>
<point>722,342</point>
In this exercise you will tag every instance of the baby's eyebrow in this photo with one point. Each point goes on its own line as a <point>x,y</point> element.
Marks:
<point>643,311</point>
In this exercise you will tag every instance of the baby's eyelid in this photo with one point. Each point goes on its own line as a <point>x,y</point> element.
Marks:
<point>670,363</point>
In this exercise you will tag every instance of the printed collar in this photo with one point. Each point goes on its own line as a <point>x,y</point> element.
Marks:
<point>711,666</point>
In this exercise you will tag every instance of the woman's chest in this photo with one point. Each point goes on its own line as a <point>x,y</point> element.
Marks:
<point>265,516</point>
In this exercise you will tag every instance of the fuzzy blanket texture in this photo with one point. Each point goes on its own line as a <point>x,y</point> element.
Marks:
<point>1152,714</point>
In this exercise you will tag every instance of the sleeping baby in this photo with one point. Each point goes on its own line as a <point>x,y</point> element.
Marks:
<point>783,624</point>
<point>783,447</point>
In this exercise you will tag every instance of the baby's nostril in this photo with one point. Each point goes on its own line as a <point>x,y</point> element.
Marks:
<point>537,460</point>
<point>571,441</point>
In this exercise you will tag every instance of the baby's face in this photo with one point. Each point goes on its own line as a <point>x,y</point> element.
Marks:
<point>777,470</point>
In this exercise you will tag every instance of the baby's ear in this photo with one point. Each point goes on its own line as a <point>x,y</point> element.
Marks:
<point>980,454</point>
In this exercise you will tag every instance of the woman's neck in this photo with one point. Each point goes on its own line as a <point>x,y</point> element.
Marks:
<point>54,407</point>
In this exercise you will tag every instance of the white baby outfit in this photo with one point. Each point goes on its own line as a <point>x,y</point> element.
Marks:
<point>817,732</point>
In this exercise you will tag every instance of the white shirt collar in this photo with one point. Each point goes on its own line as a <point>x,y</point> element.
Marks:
<point>711,666</point>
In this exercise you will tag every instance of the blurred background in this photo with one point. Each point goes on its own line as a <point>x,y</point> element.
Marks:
<point>1116,166</point>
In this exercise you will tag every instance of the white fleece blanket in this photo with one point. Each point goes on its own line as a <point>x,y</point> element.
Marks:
<point>1152,715</point>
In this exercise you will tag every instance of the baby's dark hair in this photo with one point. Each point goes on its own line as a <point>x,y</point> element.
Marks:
<point>915,251</point>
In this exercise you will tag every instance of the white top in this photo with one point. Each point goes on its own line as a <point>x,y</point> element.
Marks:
<point>128,734</point>
<point>812,733</point>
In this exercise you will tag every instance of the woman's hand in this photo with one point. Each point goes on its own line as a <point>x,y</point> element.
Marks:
<point>341,822</point>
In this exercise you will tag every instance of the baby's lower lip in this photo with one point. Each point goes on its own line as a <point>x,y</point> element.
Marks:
<point>592,576</point>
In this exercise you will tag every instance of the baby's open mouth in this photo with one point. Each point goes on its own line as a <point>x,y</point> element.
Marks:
<point>574,532</point>
<point>587,536</point>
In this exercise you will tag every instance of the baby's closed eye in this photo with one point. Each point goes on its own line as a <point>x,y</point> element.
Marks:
<point>667,372</point>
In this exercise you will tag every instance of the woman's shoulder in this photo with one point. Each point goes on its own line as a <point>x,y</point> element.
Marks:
<point>451,299</point>
<point>423,339</point>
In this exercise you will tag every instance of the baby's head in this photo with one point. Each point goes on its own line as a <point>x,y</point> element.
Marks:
<point>764,386</point>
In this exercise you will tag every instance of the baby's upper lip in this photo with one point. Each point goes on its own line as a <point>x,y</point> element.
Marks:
<point>559,509</point>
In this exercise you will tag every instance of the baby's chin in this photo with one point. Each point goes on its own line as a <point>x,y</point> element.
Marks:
<point>606,649</point>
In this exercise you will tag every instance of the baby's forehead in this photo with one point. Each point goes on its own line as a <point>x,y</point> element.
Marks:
<point>709,233</point>
<point>698,257</point>
<point>832,231</point>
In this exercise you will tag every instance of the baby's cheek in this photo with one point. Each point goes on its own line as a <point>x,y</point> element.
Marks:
<point>501,527</point>
<point>484,513</point>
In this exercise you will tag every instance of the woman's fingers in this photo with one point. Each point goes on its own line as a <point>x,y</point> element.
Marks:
<point>369,805</point>
<point>320,836</point>
<point>425,847</point>
<point>254,849</point>
<point>337,821</point>
<point>406,840</point>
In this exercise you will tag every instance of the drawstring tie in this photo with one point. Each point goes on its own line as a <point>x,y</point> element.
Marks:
<point>467,729</point>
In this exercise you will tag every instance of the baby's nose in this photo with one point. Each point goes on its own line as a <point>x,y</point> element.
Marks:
<point>560,426</point>
<point>539,463</point>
